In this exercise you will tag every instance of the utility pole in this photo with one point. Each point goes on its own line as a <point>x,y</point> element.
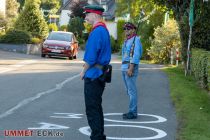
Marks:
<point>166,17</point>
<point>191,22</point>
<point>128,15</point>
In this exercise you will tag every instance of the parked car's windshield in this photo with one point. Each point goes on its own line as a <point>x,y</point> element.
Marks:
<point>60,36</point>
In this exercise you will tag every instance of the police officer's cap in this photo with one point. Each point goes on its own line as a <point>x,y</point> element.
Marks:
<point>93,9</point>
<point>128,26</point>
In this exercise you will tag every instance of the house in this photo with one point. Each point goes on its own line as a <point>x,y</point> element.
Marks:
<point>109,14</point>
<point>3,7</point>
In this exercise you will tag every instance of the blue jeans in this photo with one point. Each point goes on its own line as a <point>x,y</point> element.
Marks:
<point>130,85</point>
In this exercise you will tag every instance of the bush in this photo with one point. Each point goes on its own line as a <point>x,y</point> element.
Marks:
<point>120,33</point>
<point>16,36</point>
<point>31,19</point>
<point>35,40</point>
<point>166,39</point>
<point>201,67</point>
<point>81,41</point>
<point>2,33</point>
<point>53,27</point>
<point>114,45</point>
<point>76,26</point>
<point>63,28</point>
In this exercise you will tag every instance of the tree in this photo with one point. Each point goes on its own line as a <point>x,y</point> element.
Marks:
<point>31,19</point>
<point>52,5</point>
<point>154,15</point>
<point>76,26</point>
<point>11,12</point>
<point>21,2</point>
<point>3,21</point>
<point>123,7</point>
<point>166,39</point>
<point>201,35</point>
<point>76,8</point>
<point>11,8</point>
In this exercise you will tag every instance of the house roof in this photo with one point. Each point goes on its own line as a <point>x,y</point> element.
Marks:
<point>109,14</point>
<point>65,6</point>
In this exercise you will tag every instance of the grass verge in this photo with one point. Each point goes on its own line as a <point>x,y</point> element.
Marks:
<point>192,106</point>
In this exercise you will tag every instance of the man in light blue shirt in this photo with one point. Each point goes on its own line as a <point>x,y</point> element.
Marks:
<point>131,54</point>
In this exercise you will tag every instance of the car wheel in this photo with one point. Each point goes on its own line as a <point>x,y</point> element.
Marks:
<point>70,57</point>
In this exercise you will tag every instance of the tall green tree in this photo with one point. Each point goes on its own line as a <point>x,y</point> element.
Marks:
<point>31,19</point>
<point>3,21</point>
<point>11,8</point>
<point>76,26</point>
<point>201,35</point>
<point>52,5</point>
<point>21,2</point>
<point>76,8</point>
<point>11,12</point>
<point>154,17</point>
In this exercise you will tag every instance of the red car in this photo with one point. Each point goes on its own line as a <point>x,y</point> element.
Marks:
<point>62,44</point>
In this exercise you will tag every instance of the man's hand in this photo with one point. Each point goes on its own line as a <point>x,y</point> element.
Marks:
<point>82,74</point>
<point>85,67</point>
<point>130,70</point>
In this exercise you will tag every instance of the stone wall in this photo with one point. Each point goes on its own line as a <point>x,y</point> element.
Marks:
<point>34,49</point>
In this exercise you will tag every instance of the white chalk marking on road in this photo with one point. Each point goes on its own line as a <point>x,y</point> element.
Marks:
<point>17,65</point>
<point>159,118</point>
<point>3,70</point>
<point>155,68</point>
<point>67,116</point>
<point>160,133</point>
<point>37,96</point>
<point>142,69</point>
<point>50,126</point>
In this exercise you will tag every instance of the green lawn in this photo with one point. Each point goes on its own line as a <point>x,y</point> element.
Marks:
<point>192,106</point>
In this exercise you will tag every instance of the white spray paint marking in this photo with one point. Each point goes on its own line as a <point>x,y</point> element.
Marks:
<point>160,133</point>
<point>50,126</point>
<point>141,69</point>
<point>159,118</point>
<point>3,70</point>
<point>17,65</point>
<point>28,100</point>
<point>67,116</point>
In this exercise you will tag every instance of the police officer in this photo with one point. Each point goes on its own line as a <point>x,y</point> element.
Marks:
<point>97,54</point>
<point>131,54</point>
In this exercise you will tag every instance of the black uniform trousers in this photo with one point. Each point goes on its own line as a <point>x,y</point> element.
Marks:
<point>93,91</point>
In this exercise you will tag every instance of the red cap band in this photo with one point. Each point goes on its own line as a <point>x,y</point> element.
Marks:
<point>93,11</point>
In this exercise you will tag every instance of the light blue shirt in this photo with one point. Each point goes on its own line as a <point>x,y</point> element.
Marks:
<point>126,48</point>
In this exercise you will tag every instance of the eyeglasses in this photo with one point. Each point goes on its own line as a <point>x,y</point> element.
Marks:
<point>126,28</point>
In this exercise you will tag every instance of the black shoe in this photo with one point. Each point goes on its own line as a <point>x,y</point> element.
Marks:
<point>125,114</point>
<point>129,116</point>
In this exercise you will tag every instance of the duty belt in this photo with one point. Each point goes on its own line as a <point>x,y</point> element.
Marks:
<point>99,66</point>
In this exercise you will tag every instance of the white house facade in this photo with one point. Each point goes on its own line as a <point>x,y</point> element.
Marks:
<point>109,14</point>
<point>64,17</point>
<point>3,7</point>
<point>112,27</point>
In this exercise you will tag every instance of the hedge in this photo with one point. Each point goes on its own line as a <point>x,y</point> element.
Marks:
<point>120,34</point>
<point>16,36</point>
<point>201,67</point>
<point>114,45</point>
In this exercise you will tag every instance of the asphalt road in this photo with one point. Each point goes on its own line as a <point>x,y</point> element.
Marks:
<point>42,99</point>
